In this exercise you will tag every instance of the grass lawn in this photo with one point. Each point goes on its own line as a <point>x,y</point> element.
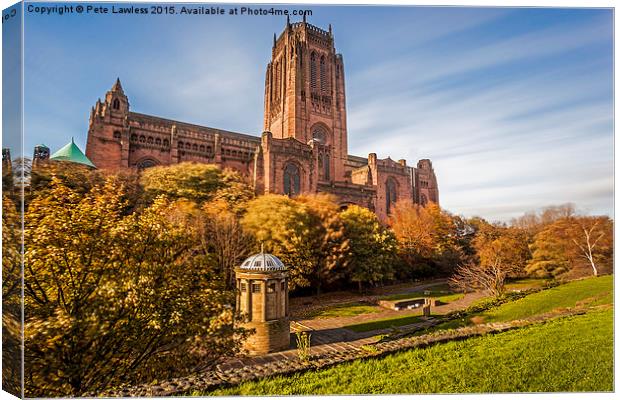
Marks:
<point>343,310</point>
<point>434,291</point>
<point>525,283</point>
<point>384,323</point>
<point>568,354</point>
<point>585,292</point>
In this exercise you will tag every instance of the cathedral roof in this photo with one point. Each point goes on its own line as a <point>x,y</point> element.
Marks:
<point>72,153</point>
<point>263,262</point>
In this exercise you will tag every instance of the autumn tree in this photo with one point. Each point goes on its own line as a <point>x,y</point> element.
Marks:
<point>426,235</point>
<point>372,247</point>
<point>571,245</point>
<point>501,252</point>
<point>112,297</point>
<point>186,180</point>
<point>593,237</point>
<point>11,297</point>
<point>306,233</point>
<point>222,236</point>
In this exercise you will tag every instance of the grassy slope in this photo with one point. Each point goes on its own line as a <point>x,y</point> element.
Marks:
<point>570,354</point>
<point>590,291</point>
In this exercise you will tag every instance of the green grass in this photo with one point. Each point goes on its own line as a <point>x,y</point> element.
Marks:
<point>384,323</point>
<point>525,283</point>
<point>585,292</point>
<point>343,310</point>
<point>564,355</point>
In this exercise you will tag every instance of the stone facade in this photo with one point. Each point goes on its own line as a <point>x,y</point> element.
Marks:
<point>304,145</point>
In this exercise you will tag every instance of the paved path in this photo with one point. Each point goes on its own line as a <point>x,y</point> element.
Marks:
<point>300,307</point>
<point>329,336</point>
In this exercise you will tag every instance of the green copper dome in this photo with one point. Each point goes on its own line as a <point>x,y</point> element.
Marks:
<point>72,153</point>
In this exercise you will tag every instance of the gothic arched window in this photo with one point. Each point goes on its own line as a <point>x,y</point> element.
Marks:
<point>147,163</point>
<point>390,194</point>
<point>313,70</point>
<point>116,104</point>
<point>323,75</point>
<point>319,135</point>
<point>291,180</point>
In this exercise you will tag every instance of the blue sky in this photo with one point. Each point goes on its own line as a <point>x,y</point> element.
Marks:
<point>513,105</point>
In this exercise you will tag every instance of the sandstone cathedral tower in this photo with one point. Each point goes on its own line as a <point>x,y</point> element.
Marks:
<point>304,144</point>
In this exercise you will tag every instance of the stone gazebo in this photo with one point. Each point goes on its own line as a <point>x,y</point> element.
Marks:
<point>262,295</point>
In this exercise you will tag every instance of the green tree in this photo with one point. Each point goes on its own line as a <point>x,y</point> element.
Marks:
<point>373,247</point>
<point>112,297</point>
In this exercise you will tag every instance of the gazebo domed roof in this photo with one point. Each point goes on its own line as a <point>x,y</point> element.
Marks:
<point>263,262</point>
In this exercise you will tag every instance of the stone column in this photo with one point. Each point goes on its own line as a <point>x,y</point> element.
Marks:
<point>264,285</point>
<point>286,297</point>
<point>248,300</point>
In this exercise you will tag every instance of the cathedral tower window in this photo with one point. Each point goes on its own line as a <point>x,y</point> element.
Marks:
<point>116,135</point>
<point>326,167</point>
<point>116,104</point>
<point>323,75</point>
<point>319,135</point>
<point>291,180</point>
<point>390,194</point>
<point>313,70</point>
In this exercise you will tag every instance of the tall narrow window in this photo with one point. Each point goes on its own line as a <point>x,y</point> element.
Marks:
<point>116,104</point>
<point>323,75</point>
<point>326,166</point>
<point>313,70</point>
<point>390,194</point>
<point>291,180</point>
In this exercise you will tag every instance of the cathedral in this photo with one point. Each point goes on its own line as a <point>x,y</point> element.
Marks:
<point>303,147</point>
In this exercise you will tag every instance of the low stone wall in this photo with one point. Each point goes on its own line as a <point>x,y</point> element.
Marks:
<point>396,343</point>
<point>411,303</point>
